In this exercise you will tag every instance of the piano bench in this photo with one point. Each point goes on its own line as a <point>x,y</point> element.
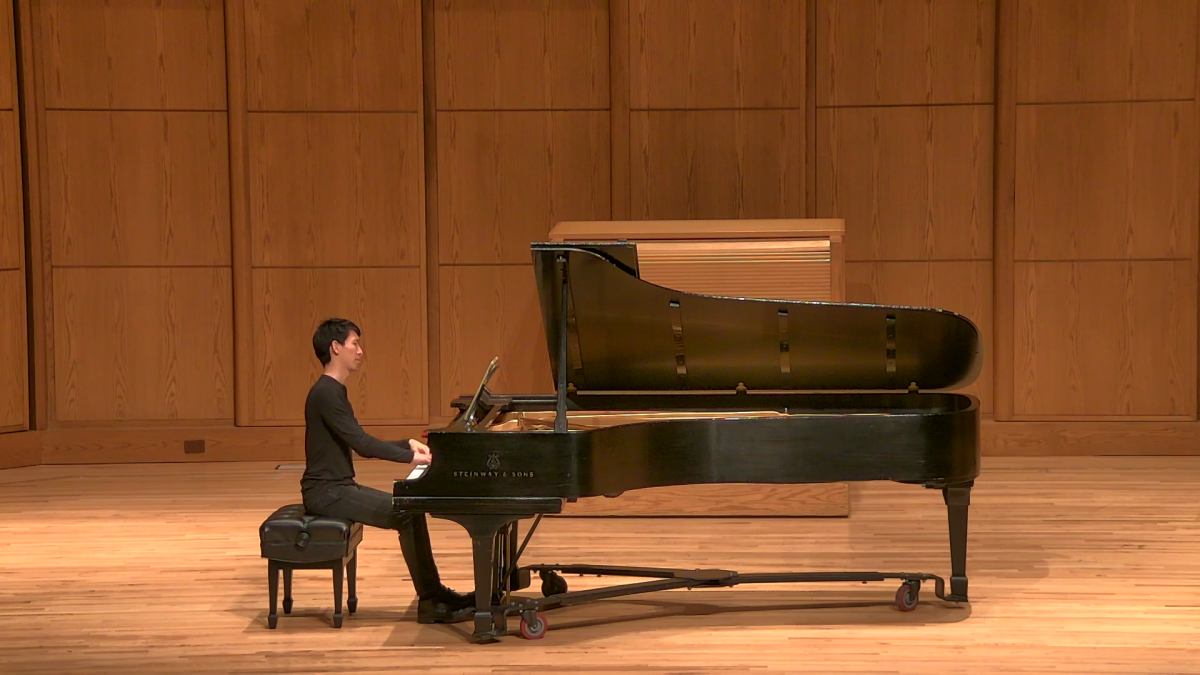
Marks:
<point>292,539</point>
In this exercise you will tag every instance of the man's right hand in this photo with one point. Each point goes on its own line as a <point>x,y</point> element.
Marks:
<point>421,453</point>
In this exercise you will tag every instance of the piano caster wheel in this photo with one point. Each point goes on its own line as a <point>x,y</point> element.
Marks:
<point>907,596</point>
<point>553,584</point>
<point>533,626</point>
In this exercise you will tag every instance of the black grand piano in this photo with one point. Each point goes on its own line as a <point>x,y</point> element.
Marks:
<point>749,391</point>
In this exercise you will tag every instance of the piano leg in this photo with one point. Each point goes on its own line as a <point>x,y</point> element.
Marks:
<point>486,629</point>
<point>958,501</point>
<point>490,534</point>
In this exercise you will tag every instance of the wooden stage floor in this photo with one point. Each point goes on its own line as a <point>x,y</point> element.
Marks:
<point>1077,565</point>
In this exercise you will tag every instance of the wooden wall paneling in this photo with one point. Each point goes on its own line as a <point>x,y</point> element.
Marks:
<point>14,343</point>
<point>619,103</point>
<point>138,188</point>
<point>38,291</point>
<point>810,113</point>
<point>1106,338</point>
<point>1004,205</point>
<point>1092,180</point>
<point>425,265</point>
<point>137,344</point>
<point>522,54</point>
<point>701,164</point>
<point>722,54</point>
<point>912,182</point>
<point>133,54</point>
<point>336,201</point>
<point>524,138</point>
<point>1107,181</point>
<point>8,57</point>
<point>897,52</point>
<point>429,144</point>
<point>325,55</point>
<point>386,302</point>
<point>718,124</point>
<point>507,176</point>
<point>241,236</point>
<point>491,311</point>
<point>1117,50</point>
<point>129,156</point>
<point>335,189</point>
<point>1106,167</point>
<point>12,225</point>
<point>14,364</point>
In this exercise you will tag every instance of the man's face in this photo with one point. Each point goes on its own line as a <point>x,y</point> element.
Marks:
<point>349,354</point>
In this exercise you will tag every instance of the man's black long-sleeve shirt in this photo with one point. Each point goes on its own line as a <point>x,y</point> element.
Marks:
<point>331,432</point>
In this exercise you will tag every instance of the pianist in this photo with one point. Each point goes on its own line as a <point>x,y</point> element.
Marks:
<point>328,486</point>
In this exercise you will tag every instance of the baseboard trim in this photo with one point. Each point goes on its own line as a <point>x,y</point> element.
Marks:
<point>1091,438</point>
<point>20,448</point>
<point>186,444</point>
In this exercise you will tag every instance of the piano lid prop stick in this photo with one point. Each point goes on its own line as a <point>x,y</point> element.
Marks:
<point>560,417</point>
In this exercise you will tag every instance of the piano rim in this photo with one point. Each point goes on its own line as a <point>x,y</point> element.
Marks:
<point>711,406</point>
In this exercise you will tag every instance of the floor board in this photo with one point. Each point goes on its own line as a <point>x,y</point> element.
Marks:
<point>1077,565</point>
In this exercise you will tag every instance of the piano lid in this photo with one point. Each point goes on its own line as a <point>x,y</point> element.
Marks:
<point>627,334</point>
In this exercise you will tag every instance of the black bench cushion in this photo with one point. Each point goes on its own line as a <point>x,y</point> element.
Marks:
<point>293,535</point>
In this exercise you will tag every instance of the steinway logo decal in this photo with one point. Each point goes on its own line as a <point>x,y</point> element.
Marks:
<point>493,465</point>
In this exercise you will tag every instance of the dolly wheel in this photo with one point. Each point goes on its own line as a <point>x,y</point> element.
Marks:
<point>907,595</point>
<point>533,626</point>
<point>553,584</point>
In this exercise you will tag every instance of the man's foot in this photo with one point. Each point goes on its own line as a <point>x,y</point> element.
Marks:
<point>445,606</point>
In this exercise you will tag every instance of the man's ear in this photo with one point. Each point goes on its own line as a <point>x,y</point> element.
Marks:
<point>334,347</point>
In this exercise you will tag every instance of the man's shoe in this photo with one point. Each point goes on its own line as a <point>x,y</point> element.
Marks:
<point>446,606</point>
<point>433,610</point>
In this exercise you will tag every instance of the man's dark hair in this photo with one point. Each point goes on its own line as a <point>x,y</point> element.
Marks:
<point>332,330</point>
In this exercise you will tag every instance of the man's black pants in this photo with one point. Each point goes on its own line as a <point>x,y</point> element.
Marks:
<point>369,506</point>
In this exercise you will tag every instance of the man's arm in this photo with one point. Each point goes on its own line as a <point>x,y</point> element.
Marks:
<point>340,418</point>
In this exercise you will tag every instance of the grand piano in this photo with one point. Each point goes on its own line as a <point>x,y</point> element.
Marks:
<point>656,387</point>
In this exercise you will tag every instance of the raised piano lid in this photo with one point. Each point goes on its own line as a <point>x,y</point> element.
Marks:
<point>629,335</point>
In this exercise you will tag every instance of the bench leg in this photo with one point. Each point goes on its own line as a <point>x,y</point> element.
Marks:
<point>351,572</point>
<point>273,593</point>
<point>337,594</point>
<point>287,590</point>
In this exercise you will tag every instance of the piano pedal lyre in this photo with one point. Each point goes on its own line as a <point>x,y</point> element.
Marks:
<point>510,576</point>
